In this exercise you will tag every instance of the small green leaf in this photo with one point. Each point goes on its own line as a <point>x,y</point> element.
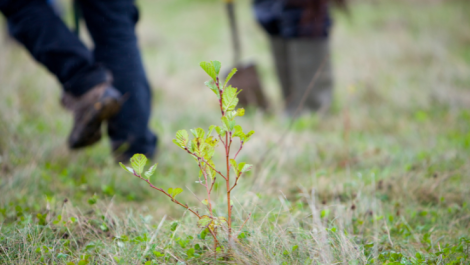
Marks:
<point>198,133</point>
<point>217,65</point>
<point>245,168</point>
<point>240,112</point>
<point>229,98</point>
<point>285,253</point>
<point>174,225</point>
<point>175,191</point>
<point>208,67</point>
<point>210,84</point>
<point>138,163</point>
<point>158,254</point>
<point>211,128</point>
<point>234,164</point>
<point>62,256</point>
<point>220,131</point>
<point>128,169</point>
<point>294,248</point>
<point>248,135</point>
<point>204,221</point>
<point>229,125</point>
<point>204,233</point>
<point>190,252</point>
<point>182,138</point>
<point>239,132</point>
<point>229,76</point>
<point>324,213</point>
<point>151,171</point>
<point>205,202</point>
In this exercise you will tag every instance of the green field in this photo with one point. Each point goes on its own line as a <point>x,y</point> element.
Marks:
<point>384,178</point>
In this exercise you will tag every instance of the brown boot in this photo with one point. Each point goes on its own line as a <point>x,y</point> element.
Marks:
<point>89,110</point>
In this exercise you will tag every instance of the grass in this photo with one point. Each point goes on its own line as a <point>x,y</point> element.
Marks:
<point>383,178</point>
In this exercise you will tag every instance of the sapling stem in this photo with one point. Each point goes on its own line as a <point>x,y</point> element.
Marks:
<point>202,147</point>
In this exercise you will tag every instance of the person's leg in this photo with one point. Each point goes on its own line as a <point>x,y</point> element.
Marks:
<point>111,24</point>
<point>34,24</point>
<point>88,93</point>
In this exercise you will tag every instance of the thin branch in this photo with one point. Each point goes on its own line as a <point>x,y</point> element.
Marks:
<point>172,198</point>
<point>241,146</point>
<point>203,160</point>
<point>213,182</point>
<point>236,181</point>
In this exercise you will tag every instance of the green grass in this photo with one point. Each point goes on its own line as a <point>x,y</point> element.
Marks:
<point>383,178</point>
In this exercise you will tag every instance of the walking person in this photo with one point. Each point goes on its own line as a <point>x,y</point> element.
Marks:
<point>299,33</point>
<point>107,84</point>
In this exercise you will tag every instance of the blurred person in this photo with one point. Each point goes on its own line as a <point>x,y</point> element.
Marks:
<point>108,84</point>
<point>299,33</point>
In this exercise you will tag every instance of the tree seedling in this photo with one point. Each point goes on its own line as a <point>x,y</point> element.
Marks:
<point>202,149</point>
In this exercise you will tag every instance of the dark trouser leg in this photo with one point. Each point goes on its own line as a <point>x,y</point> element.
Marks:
<point>34,24</point>
<point>111,24</point>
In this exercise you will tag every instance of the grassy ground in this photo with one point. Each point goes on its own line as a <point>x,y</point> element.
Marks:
<point>383,178</point>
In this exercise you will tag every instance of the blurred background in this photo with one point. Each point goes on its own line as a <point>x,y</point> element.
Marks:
<point>395,142</point>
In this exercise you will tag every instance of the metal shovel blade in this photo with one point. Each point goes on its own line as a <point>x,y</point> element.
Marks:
<point>247,80</point>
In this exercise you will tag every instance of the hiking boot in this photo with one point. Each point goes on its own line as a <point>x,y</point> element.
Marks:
<point>89,110</point>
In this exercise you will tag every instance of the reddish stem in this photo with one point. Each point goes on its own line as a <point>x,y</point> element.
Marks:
<point>207,187</point>
<point>241,146</point>
<point>203,160</point>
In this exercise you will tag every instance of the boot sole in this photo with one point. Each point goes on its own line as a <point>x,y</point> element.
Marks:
<point>88,131</point>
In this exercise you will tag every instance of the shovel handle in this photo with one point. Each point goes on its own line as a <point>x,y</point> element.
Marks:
<point>234,31</point>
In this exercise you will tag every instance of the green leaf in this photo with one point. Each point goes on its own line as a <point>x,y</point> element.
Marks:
<point>240,112</point>
<point>217,65</point>
<point>204,233</point>
<point>190,252</point>
<point>248,136</point>
<point>245,168</point>
<point>239,132</point>
<point>208,67</point>
<point>220,131</point>
<point>324,213</point>
<point>175,191</point>
<point>294,248</point>
<point>210,84</point>
<point>182,138</point>
<point>158,254</point>
<point>229,98</point>
<point>205,202</point>
<point>229,76</point>
<point>229,125</point>
<point>211,128</point>
<point>198,132</point>
<point>174,225</point>
<point>138,163</point>
<point>151,171</point>
<point>234,164</point>
<point>204,221</point>
<point>128,169</point>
